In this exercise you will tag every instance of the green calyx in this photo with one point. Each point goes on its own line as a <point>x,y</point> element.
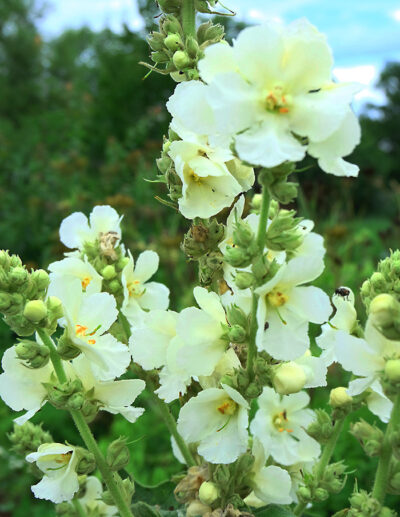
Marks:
<point>369,436</point>
<point>32,353</point>
<point>27,438</point>
<point>276,180</point>
<point>321,429</point>
<point>386,280</point>
<point>118,454</point>
<point>284,232</point>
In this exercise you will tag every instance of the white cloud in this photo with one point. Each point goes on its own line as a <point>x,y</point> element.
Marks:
<point>365,75</point>
<point>260,16</point>
<point>396,15</point>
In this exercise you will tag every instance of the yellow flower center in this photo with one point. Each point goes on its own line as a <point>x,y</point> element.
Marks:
<point>64,458</point>
<point>277,298</point>
<point>135,288</point>
<point>227,407</point>
<point>276,101</point>
<point>194,177</point>
<point>85,282</point>
<point>81,331</point>
<point>281,422</point>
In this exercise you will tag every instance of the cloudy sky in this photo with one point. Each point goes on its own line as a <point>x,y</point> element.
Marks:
<point>364,34</point>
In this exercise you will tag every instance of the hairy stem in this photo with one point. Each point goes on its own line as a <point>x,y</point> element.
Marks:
<point>324,460</point>
<point>382,473</point>
<point>261,233</point>
<point>79,508</point>
<point>86,434</point>
<point>188,17</point>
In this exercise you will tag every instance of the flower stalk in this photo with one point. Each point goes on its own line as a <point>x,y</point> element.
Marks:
<point>188,14</point>
<point>382,474</point>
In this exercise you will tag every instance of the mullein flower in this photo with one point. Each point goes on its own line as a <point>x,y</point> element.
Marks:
<point>58,463</point>
<point>217,419</point>
<point>74,267</point>
<point>87,318</point>
<point>139,294</point>
<point>92,499</point>
<point>76,230</point>
<point>280,424</point>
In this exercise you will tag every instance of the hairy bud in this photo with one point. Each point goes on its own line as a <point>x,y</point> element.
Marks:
<point>118,454</point>
<point>289,378</point>
<point>208,493</point>
<point>35,311</point>
<point>339,398</point>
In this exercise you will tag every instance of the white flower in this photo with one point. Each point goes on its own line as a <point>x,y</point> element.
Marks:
<point>315,370</point>
<point>226,365</point>
<point>115,397</point>
<point>271,485</point>
<point>73,267</point>
<point>276,83</point>
<point>87,318</point>
<point>92,502</point>
<point>201,331</point>
<point>139,294</point>
<point>76,230</point>
<point>58,463</point>
<point>367,358</point>
<point>285,308</point>
<point>22,387</point>
<point>344,319</point>
<point>279,425</point>
<point>154,344</point>
<point>218,420</point>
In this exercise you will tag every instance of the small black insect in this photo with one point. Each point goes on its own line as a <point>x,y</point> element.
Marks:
<point>343,292</point>
<point>266,326</point>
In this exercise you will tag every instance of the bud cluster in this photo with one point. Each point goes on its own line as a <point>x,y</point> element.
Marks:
<point>364,505</point>
<point>71,395</point>
<point>22,296</point>
<point>284,233</point>
<point>275,179</point>
<point>27,438</point>
<point>321,428</point>
<point>385,281</point>
<point>317,488</point>
<point>200,244</point>
<point>176,53</point>
<point>369,436</point>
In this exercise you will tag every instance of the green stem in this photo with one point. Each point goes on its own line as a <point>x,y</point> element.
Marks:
<point>86,433</point>
<point>55,358</point>
<point>382,473</point>
<point>261,234</point>
<point>107,474</point>
<point>324,461</point>
<point>188,17</point>
<point>79,508</point>
<point>171,425</point>
<point>262,225</point>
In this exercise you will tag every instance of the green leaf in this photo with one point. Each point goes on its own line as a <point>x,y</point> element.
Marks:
<point>273,510</point>
<point>161,495</point>
<point>144,510</point>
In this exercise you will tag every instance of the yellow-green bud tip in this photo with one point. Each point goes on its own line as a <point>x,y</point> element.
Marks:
<point>35,311</point>
<point>289,378</point>
<point>208,493</point>
<point>392,370</point>
<point>339,398</point>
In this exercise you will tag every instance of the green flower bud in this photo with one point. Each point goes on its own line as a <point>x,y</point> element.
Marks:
<point>118,454</point>
<point>322,428</point>
<point>5,302</point>
<point>115,286</point>
<point>4,259</point>
<point>236,316</point>
<point>387,512</point>
<point>237,334</point>
<point>41,279</point>
<point>243,235</point>
<point>173,42</point>
<point>304,494</point>
<point>122,262</point>
<point>34,354</point>
<point>210,33</point>
<point>55,308</point>
<point>289,378</point>
<point>392,370</point>
<point>109,272</point>
<point>65,510</point>
<point>181,59</point>
<point>86,462</point>
<point>208,492</point>
<point>192,47</point>
<point>339,398</point>
<point>321,494</point>
<point>128,486</point>
<point>170,6</point>
<point>369,436</point>
<point>159,56</point>
<point>75,401</point>
<point>284,232</point>
<point>35,311</point>
<point>366,503</point>
<point>27,438</point>
<point>243,379</point>
<point>253,390</point>
<point>394,483</point>
<point>222,475</point>
<point>378,281</point>
<point>244,280</point>
<point>170,25</point>
<point>89,409</point>
<point>59,394</point>
<point>156,41</point>
<point>284,192</point>
<point>66,348</point>
<point>237,257</point>
<point>19,276</point>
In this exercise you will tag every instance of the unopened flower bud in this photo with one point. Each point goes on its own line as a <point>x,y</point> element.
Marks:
<point>192,47</point>
<point>19,276</point>
<point>159,56</point>
<point>237,334</point>
<point>339,398</point>
<point>35,311</point>
<point>321,428</point>
<point>253,390</point>
<point>66,348</point>
<point>385,314</point>
<point>41,279</point>
<point>378,282</point>
<point>156,41</point>
<point>370,437</point>
<point>197,508</point>
<point>237,257</point>
<point>222,474</point>
<point>243,235</point>
<point>118,454</point>
<point>173,42</point>
<point>86,462</point>
<point>304,494</point>
<point>108,273</point>
<point>208,492</point>
<point>181,59</point>
<point>27,438</point>
<point>289,378</point>
<point>392,370</point>
<point>244,280</point>
<point>321,494</point>
<point>170,25</point>
<point>54,306</point>
<point>170,6</point>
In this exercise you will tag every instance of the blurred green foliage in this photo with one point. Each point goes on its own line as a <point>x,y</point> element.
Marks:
<point>80,125</point>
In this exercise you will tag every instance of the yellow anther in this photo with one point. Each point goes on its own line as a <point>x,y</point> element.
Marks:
<point>277,298</point>
<point>85,282</point>
<point>228,407</point>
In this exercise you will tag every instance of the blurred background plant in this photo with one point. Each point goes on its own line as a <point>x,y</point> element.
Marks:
<point>81,125</point>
